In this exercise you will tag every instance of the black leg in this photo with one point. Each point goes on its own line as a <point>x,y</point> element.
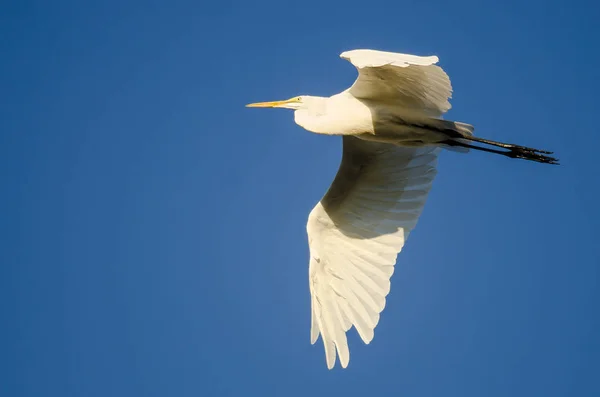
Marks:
<point>504,145</point>
<point>515,151</point>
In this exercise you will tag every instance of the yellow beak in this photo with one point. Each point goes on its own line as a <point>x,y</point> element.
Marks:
<point>273,104</point>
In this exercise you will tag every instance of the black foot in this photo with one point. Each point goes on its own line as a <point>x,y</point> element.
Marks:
<point>526,149</point>
<point>520,152</point>
<point>514,151</point>
<point>506,145</point>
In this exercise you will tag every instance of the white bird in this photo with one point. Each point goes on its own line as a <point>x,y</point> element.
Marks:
<point>390,121</point>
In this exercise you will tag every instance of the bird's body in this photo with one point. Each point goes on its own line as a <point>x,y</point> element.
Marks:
<point>390,121</point>
<point>343,114</point>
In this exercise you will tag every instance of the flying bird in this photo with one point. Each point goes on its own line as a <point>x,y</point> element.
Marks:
<point>392,130</point>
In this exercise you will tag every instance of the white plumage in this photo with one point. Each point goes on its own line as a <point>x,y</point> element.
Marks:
<point>390,120</point>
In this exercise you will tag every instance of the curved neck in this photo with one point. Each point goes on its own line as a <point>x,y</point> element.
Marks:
<point>313,115</point>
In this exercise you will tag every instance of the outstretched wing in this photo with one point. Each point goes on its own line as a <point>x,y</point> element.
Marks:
<point>408,81</point>
<point>355,233</point>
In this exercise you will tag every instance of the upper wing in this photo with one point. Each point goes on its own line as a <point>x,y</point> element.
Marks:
<point>355,233</point>
<point>407,81</point>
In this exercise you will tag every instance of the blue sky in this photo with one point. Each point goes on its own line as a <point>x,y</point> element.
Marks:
<point>153,228</point>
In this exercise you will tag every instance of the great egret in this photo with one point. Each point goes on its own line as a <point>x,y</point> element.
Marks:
<point>390,121</point>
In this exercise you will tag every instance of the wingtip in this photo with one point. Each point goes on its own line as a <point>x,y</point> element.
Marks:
<point>344,361</point>
<point>330,358</point>
<point>345,54</point>
<point>366,335</point>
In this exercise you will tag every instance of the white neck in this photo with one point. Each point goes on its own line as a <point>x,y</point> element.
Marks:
<point>340,114</point>
<point>312,115</point>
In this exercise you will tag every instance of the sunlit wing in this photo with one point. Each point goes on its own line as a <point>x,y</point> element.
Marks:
<point>408,81</point>
<point>355,233</point>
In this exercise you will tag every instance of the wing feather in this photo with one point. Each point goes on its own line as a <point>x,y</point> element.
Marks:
<point>355,234</point>
<point>409,81</point>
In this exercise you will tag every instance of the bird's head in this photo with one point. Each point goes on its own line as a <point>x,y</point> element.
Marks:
<point>295,103</point>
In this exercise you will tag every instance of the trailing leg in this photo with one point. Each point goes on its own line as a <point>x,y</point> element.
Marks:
<point>514,151</point>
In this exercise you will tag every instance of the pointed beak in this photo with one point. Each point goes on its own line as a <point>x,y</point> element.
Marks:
<point>267,104</point>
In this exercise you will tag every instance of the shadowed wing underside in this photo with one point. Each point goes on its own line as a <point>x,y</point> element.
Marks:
<point>355,233</point>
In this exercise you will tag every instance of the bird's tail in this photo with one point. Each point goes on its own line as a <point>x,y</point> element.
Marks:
<point>458,130</point>
<point>463,128</point>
